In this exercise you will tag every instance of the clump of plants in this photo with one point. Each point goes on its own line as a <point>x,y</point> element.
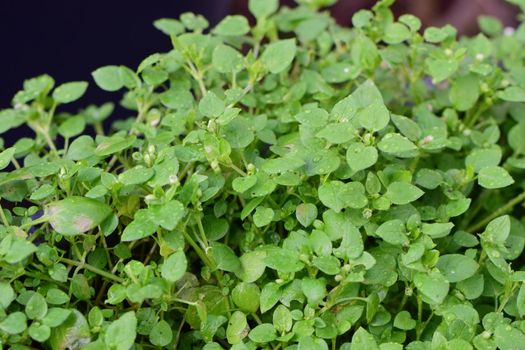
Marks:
<point>287,185</point>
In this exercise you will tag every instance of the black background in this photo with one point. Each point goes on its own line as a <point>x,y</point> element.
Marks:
<point>68,39</point>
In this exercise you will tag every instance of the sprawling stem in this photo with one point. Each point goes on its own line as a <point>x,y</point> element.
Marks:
<point>500,211</point>
<point>93,269</point>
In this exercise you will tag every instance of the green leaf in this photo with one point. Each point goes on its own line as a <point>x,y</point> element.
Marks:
<point>114,144</point>
<point>397,145</point>
<point>283,260</point>
<point>227,60</point>
<point>441,69</point>
<point>282,319</point>
<point>507,337</point>
<point>252,266</point>
<point>237,328</point>
<point>437,230</point>
<point>327,264</point>
<point>73,331</point>
<point>238,133</point>
<point>14,323</point>
<point>490,25</point>
<point>263,9</point>
<point>15,249</point>
<point>482,158</point>
<point>404,321</point>
<point>340,72</point>
<point>306,213</point>
<point>40,333</point>
<point>279,55</point>
<point>7,295</point>
<point>75,215</point>
<point>497,230</point>
<point>246,297</point>
<point>312,117</point>
<point>393,232</point>
<point>364,108</point>
<point>36,307</point>
<point>360,157</point>
<point>516,139</point>
<point>263,216</point>
<point>174,267</point>
<point>362,340</point>
<point>435,35</point>
<point>464,92</point>
<point>512,94</point>
<point>235,25</point>
<point>457,267</point>
<point>408,127</point>
<point>225,258</point>
<point>411,21</point>
<point>72,126</point>
<point>136,175</point>
<point>141,226</point>
<point>270,295</point>
<point>337,195</point>
<point>211,106</point>
<point>314,290</point>
<point>120,334</point>
<point>169,26</point>
<point>396,33</point>
<point>282,165</point>
<point>520,300</point>
<point>167,215</point>
<point>432,286</point>
<point>494,177</point>
<point>263,333</point>
<point>403,193</point>
<point>243,184</point>
<point>6,156</point>
<point>108,78</point>
<point>82,147</point>
<point>70,92</point>
<point>56,316</point>
<point>161,334</point>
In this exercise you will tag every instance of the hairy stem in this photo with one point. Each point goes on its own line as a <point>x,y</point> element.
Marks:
<point>502,210</point>
<point>93,269</point>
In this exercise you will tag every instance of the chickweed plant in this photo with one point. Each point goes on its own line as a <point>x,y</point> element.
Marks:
<point>285,184</point>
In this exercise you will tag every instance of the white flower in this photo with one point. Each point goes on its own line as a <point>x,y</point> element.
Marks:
<point>428,139</point>
<point>508,31</point>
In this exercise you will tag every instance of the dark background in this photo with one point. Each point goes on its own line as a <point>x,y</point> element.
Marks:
<point>68,39</point>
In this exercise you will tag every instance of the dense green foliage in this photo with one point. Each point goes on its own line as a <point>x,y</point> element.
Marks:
<point>288,185</point>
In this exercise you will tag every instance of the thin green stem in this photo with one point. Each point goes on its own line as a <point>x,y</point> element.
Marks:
<point>502,210</point>
<point>201,231</point>
<point>15,163</point>
<point>419,316</point>
<point>256,318</point>
<point>341,301</point>
<point>197,76</point>
<point>38,221</point>
<point>198,250</point>
<point>4,218</point>
<point>93,269</point>
<point>182,301</point>
<point>49,141</point>
<point>237,169</point>
<point>424,325</point>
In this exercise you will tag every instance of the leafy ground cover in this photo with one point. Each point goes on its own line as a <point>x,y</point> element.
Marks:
<point>287,185</point>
